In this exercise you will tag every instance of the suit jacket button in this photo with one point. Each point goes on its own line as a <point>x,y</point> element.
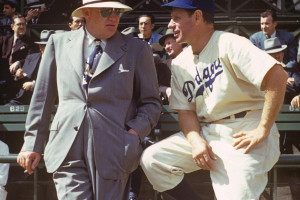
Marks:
<point>76,128</point>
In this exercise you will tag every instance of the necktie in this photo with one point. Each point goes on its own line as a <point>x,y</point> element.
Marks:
<point>14,48</point>
<point>88,73</point>
<point>8,21</point>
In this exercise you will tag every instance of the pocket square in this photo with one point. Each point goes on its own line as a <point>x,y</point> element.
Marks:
<point>121,69</point>
<point>23,47</point>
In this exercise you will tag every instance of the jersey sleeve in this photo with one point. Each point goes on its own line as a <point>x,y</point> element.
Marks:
<point>249,62</point>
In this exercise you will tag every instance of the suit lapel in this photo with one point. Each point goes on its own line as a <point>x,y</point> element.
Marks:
<point>74,49</point>
<point>112,52</point>
<point>20,46</point>
<point>9,46</point>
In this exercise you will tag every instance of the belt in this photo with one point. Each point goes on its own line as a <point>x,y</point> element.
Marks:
<point>237,115</point>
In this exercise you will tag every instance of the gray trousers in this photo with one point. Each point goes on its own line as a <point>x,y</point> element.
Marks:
<point>78,178</point>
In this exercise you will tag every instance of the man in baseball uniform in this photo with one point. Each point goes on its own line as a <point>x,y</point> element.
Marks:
<point>233,87</point>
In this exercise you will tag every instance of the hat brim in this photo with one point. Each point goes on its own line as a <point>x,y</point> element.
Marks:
<point>283,47</point>
<point>114,4</point>
<point>36,6</point>
<point>40,42</point>
<point>163,38</point>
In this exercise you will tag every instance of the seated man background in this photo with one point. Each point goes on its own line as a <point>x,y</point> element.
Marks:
<point>9,10</point>
<point>268,24</point>
<point>13,50</point>
<point>76,22</point>
<point>173,49</point>
<point>146,26</point>
<point>26,76</point>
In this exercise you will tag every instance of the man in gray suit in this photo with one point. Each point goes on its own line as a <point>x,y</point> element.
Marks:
<point>95,137</point>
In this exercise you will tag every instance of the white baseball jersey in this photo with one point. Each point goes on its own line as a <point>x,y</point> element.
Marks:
<point>224,79</point>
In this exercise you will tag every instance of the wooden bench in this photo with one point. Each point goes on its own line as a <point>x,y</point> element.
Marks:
<point>288,120</point>
<point>12,119</point>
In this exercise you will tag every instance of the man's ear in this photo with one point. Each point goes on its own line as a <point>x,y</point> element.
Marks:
<point>152,26</point>
<point>12,26</point>
<point>275,23</point>
<point>70,24</point>
<point>85,12</point>
<point>198,16</point>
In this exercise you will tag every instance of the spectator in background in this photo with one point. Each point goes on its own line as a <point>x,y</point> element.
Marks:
<point>296,101</point>
<point>268,23</point>
<point>4,168</point>
<point>76,22</point>
<point>34,12</point>
<point>26,75</point>
<point>173,49</point>
<point>13,50</point>
<point>9,10</point>
<point>146,26</point>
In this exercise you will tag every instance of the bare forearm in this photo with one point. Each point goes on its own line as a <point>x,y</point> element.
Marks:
<point>274,86</point>
<point>189,124</point>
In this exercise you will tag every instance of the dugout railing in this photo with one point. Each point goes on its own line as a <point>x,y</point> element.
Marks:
<point>12,119</point>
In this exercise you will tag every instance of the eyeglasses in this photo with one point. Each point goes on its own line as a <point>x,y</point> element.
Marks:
<point>144,23</point>
<point>106,12</point>
<point>20,24</point>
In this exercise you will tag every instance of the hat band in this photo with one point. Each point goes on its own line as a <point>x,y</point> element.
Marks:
<point>88,3</point>
<point>44,40</point>
<point>271,48</point>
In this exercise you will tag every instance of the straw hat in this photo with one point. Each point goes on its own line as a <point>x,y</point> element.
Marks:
<point>100,4</point>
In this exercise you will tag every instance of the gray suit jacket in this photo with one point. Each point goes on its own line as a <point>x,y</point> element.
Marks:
<point>122,94</point>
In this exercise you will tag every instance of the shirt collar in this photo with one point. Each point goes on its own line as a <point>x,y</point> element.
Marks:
<point>15,38</point>
<point>90,39</point>
<point>274,34</point>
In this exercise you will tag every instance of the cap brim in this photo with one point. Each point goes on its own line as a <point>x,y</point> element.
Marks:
<point>178,4</point>
<point>283,47</point>
<point>115,4</point>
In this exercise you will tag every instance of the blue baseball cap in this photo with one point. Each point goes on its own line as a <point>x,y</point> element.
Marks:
<point>204,5</point>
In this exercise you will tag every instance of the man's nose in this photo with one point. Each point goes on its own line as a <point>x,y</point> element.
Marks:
<point>171,24</point>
